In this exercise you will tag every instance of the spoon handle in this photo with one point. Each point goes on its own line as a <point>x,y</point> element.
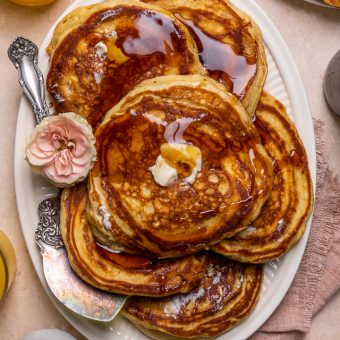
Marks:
<point>23,53</point>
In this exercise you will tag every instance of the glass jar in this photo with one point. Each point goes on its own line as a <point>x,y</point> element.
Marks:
<point>32,2</point>
<point>7,265</point>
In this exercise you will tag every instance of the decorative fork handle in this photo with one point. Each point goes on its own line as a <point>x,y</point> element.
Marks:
<point>23,53</point>
<point>47,232</point>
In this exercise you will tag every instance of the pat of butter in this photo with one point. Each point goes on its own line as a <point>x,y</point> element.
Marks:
<point>114,52</point>
<point>196,169</point>
<point>101,50</point>
<point>106,217</point>
<point>163,173</point>
<point>177,159</point>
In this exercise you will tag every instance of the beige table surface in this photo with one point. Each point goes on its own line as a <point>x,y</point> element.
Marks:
<point>313,36</point>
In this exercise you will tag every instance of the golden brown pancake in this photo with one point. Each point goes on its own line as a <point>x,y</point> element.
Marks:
<point>126,203</point>
<point>229,43</point>
<point>335,3</point>
<point>226,295</point>
<point>120,273</point>
<point>283,218</point>
<point>100,52</point>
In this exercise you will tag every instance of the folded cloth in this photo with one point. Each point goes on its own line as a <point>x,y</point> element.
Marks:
<point>318,277</point>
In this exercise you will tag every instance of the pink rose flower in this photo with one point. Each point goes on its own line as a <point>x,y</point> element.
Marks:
<point>62,149</point>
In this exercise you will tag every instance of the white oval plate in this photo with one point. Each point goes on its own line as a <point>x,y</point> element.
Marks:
<point>283,82</point>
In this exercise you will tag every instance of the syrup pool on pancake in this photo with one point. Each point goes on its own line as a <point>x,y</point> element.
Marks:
<point>229,43</point>
<point>223,64</point>
<point>113,50</point>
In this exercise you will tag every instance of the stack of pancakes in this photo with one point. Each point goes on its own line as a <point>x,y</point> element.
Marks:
<point>181,80</point>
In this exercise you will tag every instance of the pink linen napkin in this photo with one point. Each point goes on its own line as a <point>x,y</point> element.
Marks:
<point>318,277</point>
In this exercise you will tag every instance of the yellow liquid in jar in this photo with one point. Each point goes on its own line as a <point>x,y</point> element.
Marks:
<point>3,277</point>
<point>7,265</point>
<point>32,2</point>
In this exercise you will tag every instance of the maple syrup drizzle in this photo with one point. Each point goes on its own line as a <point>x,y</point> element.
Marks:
<point>175,130</point>
<point>222,63</point>
<point>152,34</point>
<point>124,259</point>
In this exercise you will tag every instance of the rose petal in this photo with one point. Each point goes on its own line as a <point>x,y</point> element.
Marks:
<point>84,159</point>
<point>37,157</point>
<point>80,170</point>
<point>63,163</point>
<point>56,141</point>
<point>78,137</point>
<point>41,138</point>
<point>50,172</point>
<point>72,178</point>
<point>57,128</point>
<point>79,150</point>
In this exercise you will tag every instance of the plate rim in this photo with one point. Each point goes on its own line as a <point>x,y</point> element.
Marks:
<point>282,56</point>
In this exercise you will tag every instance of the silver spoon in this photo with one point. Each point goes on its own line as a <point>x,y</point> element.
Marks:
<point>24,55</point>
<point>68,288</point>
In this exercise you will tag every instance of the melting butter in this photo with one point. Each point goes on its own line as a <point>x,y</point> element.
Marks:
<point>101,50</point>
<point>176,160</point>
<point>163,174</point>
<point>110,50</point>
<point>114,53</point>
